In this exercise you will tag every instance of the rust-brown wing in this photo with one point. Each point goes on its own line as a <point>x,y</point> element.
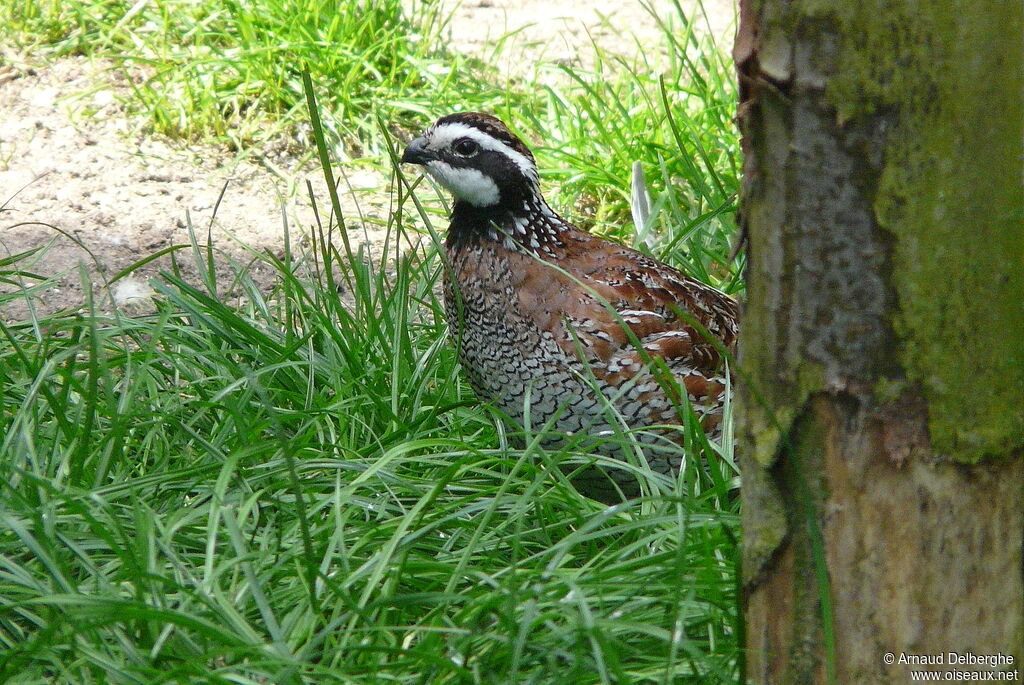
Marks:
<point>622,310</point>
<point>618,296</point>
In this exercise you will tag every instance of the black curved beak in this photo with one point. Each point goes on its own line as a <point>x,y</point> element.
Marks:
<point>417,153</point>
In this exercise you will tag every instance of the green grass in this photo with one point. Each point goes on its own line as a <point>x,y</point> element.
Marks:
<point>230,70</point>
<point>303,491</point>
<point>302,488</point>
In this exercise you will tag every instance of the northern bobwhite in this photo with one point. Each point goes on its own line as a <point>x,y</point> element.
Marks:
<point>563,329</point>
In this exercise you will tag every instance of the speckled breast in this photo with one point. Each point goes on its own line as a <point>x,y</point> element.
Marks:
<point>508,360</point>
<point>503,353</point>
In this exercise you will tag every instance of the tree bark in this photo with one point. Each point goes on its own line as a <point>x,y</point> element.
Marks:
<point>881,417</point>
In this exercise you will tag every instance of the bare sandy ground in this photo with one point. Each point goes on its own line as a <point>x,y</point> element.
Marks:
<point>75,172</point>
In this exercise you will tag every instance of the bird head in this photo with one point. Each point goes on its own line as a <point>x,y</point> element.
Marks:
<point>478,159</point>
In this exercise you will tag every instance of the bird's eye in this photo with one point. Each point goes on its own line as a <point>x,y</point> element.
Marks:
<point>466,147</point>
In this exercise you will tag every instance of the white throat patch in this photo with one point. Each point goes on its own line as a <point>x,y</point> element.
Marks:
<point>469,185</point>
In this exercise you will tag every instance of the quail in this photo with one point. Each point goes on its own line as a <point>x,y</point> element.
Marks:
<point>564,331</point>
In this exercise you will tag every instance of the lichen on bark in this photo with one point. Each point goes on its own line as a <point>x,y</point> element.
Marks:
<point>940,75</point>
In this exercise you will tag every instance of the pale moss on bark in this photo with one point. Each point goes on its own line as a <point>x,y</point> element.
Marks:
<point>951,193</point>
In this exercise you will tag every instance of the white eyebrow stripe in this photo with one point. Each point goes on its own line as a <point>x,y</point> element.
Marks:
<point>446,134</point>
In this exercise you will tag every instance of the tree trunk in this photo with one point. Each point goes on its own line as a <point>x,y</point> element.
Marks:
<point>882,353</point>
